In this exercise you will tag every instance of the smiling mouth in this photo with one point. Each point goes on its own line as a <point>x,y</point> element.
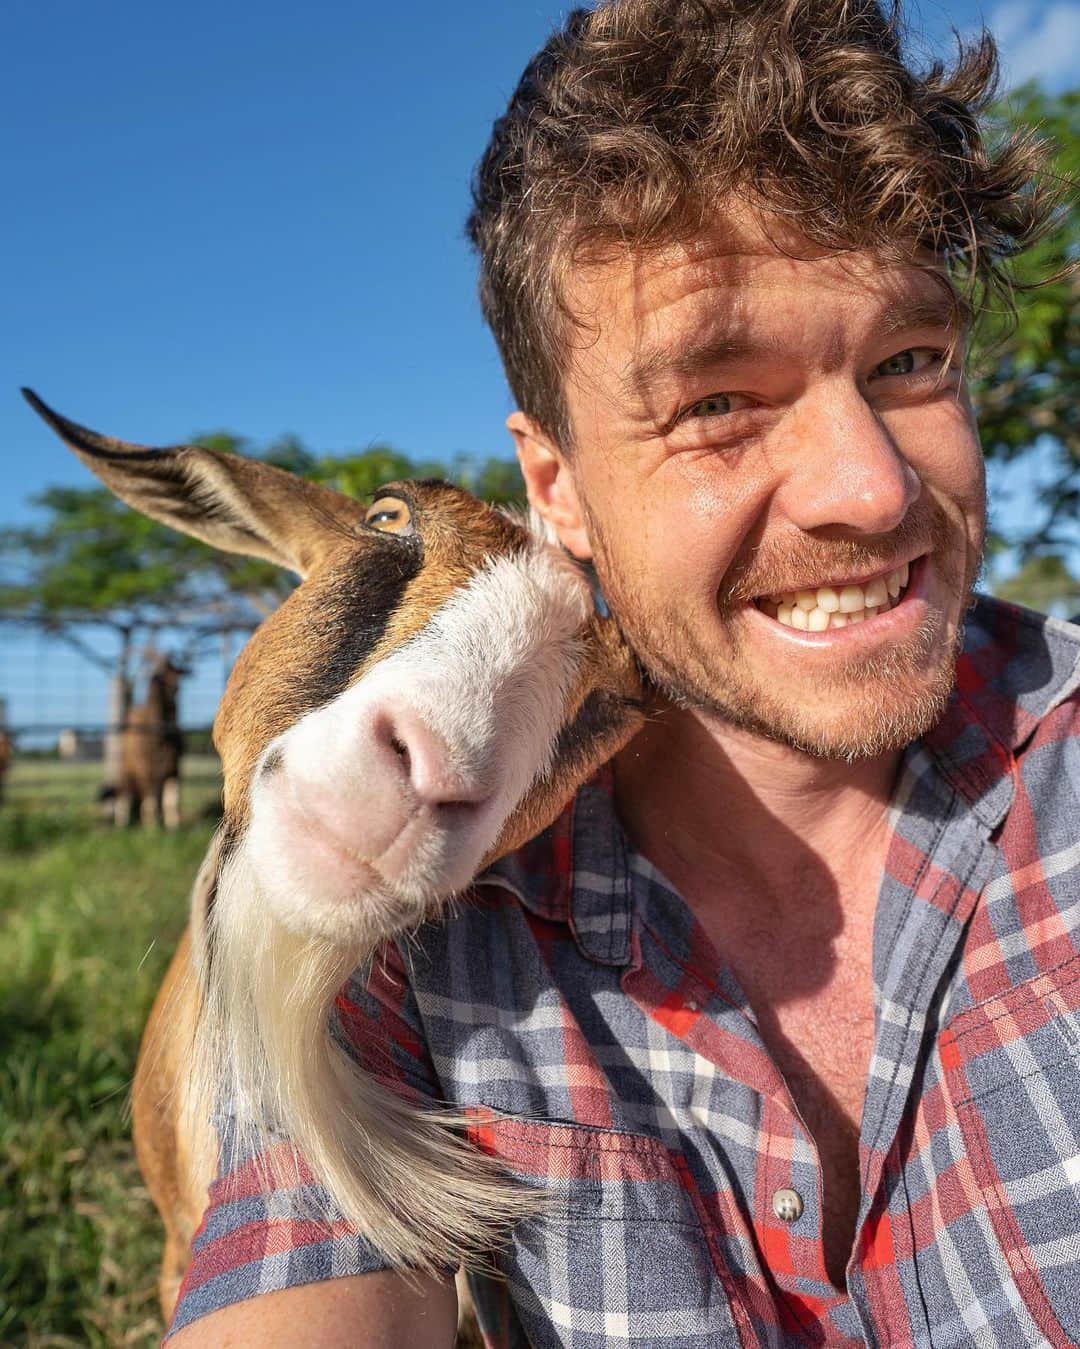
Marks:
<point>836,606</point>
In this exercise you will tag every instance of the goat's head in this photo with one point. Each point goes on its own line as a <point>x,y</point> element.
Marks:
<point>166,674</point>
<point>426,699</point>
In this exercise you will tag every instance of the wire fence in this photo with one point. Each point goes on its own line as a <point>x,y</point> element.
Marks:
<point>48,686</point>
<point>55,728</point>
<point>62,769</point>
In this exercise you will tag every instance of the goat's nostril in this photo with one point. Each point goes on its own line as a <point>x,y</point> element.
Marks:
<point>423,760</point>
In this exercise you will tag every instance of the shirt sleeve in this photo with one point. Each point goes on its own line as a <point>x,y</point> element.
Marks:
<point>268,1224</point>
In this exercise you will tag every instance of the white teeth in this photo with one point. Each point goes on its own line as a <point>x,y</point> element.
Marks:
<point>832,607</point>
<point>852,599</point>
<point>876,593</point>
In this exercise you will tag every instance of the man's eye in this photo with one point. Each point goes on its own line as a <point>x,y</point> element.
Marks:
<point>908,362</point>
<point>717,405</point>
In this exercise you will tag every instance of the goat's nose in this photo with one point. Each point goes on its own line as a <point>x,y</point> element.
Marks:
<point>424,761</point>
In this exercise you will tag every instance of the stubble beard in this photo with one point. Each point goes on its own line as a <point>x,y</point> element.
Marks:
<point>880,703</point>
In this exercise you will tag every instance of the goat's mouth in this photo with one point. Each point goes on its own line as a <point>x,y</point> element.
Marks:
<point>840,603</point>
<point>361,873</point>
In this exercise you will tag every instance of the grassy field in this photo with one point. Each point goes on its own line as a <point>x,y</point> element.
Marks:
<point>89,916</point>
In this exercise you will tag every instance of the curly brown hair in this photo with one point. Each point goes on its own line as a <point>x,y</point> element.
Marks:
<point>639,117</point>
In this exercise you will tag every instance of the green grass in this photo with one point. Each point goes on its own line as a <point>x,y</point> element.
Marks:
<point>89,916</point>
<point>56,786</point>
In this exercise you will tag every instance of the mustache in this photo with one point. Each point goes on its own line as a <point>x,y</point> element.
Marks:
<point>804,562</point>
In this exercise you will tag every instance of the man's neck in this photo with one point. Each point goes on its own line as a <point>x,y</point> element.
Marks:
<point>708,803</point>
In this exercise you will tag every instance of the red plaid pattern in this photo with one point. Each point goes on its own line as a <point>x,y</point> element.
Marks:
<point>577,1011</point>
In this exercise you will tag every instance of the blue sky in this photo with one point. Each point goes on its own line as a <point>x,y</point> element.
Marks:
<point>250,216</point>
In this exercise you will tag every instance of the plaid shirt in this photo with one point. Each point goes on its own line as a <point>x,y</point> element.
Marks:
<point>576,1007</point>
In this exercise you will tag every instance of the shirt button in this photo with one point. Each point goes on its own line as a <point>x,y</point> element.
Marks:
<point>787,1205</point>
<point>692,1005</point>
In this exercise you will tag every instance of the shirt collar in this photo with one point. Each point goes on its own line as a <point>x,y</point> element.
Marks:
<point>577,871</point>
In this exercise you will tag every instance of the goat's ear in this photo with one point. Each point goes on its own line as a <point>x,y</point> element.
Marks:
<point>229,501</point>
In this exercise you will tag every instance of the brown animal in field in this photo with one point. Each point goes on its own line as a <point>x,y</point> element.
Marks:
<point>427,699</point>
<point>7,750</point>
<point>151,746</point>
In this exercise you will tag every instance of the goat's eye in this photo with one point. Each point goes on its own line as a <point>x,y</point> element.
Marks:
<point>391,515</point>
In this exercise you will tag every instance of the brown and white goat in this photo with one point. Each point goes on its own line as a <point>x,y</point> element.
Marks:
<point>427,699</point>
<point>150,748</point>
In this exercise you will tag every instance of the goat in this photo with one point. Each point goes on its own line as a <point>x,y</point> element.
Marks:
<point>427,699</point>
<point>150,749</point>
<point>7,751</point>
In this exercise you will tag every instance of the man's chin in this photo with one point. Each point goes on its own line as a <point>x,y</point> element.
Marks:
<point>880,713</point>
<point>851,738</point>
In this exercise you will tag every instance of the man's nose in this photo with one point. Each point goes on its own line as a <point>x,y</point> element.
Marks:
<point>845,469</point>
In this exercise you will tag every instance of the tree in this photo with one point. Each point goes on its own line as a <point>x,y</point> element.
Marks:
<point>1026,379</point>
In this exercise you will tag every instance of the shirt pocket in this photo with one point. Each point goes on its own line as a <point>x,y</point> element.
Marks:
<point>618,1254</point>
<point>1012,1067</point>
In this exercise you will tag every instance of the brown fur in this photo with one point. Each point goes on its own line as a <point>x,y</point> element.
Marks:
<point>173,1162</point>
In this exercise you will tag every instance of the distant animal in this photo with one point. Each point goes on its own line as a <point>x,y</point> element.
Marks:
<point>7,751</point>
<point>151,746</point>
<point>427,699</point>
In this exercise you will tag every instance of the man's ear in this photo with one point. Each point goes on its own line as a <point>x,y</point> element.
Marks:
<point>550,484</point>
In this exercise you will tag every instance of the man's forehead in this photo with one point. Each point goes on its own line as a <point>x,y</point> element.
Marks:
<point>638,282</point>
<point>723,296</point>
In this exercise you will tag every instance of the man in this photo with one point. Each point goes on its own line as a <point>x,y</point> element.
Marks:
<point>784,1008</point>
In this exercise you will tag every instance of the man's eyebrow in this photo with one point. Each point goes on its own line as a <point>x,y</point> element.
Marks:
<point>927,311</point>
<point>649,367</point>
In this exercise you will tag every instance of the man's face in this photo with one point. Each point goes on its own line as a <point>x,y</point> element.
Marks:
<point>776,471</point>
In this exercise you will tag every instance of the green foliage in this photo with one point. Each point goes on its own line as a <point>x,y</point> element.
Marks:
<point>1043,582</point>
<point>94,559</point>
<point>496,480</point>
<point>1026,376</point>
<point>89,918</point>
<point>361,474</point>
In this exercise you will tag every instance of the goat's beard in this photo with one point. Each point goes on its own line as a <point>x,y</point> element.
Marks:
<point>285,1092</point>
